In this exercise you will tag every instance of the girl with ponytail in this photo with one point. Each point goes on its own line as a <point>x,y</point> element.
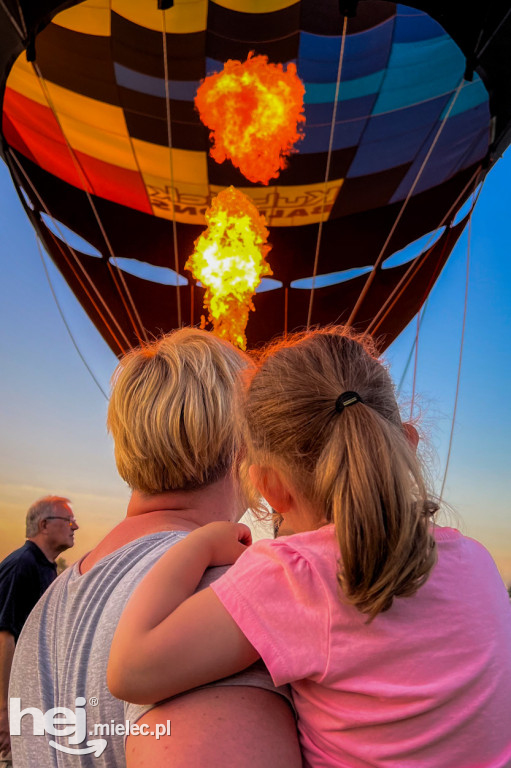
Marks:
<point>394,633</point>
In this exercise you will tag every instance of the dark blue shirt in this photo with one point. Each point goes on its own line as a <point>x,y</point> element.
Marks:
<point>24,575</point>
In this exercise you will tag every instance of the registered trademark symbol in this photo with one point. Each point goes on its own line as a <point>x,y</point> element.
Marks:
<point>94,701</point>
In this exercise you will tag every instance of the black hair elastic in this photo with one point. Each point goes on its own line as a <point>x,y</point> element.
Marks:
<point>347,398</point>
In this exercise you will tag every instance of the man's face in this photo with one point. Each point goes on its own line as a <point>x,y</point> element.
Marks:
<point>61,527</point>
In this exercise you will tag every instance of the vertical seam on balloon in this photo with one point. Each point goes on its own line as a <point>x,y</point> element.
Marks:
<point>61,312</point>
<point>459,165</point>
<point>108,244</point>
<point>368,117</point>
<point>130,138</point>
<point>73,252</point>
<point>372,274</point>
<point>171,165</point>
<point>83,178</point>
<point>327,169</point>
<point>298,29</point>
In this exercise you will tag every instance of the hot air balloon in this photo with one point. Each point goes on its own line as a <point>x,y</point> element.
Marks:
<point>406,109</point>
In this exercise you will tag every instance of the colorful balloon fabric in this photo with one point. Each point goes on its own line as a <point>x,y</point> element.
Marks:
<point>101,134</point>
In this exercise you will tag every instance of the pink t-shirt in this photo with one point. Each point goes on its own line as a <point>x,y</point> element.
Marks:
<point>427,683</point>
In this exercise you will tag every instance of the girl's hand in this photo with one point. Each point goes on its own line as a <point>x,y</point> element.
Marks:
<point>225,541</point>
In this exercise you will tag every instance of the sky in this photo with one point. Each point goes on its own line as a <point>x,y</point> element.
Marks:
<point>53,437</point>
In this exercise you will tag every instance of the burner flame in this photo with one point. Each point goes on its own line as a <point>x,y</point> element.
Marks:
<point>253,109</point>
<point>229,261</point>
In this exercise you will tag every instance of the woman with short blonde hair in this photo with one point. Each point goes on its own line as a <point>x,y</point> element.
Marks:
<point>170,412</point>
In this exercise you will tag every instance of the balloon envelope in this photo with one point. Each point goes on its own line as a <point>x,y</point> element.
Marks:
<point>100,131</point>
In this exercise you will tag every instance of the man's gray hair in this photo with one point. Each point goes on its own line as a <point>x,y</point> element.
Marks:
<point>42,508</point>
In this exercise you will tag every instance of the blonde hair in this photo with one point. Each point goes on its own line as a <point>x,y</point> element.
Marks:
<point>170,411</point>
<point>40,510</point>
<point>356,468</point>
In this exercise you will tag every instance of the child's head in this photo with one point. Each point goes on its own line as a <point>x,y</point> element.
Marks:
<point>353,466</point>
<point>171,414</point>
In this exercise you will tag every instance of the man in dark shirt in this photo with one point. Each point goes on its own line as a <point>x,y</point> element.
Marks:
<point>24,575</point>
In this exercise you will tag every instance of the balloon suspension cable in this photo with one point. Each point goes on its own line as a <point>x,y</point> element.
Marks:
<point>416,264</point>
<point>415,363</point>
<point>122,348</point>
<point>22,19</point>
<point>327,170</point>
<point>61,312</point>
<point>22,33</point>
<point>171,166</point>
<point>286,307</point>
<point>415,345</point>
<point>412,350</point>
<point>462,342</point>
<point>420,318</point>
<point>495,32</point>
<point>383,250</point>
<point>134,318</point>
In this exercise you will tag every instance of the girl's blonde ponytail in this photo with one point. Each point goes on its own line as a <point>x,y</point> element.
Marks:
<point>356,467</point>
<point>368,475</point>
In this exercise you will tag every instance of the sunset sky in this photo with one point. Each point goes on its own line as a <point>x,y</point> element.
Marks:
<point>52,414</point>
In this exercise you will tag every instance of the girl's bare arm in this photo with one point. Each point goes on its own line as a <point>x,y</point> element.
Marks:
<point>162,645</point>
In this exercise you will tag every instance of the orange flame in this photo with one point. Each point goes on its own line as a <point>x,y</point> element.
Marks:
<point>229,261</point>
<point>253,109</point>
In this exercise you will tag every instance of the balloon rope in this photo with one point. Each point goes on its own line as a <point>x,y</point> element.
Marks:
<point>372,274</point>
<point>139,330</point>
<point>22,18</point>
<point>415,348</point>
<point>405,280</point>
<point>68,329</point>
<point>327,170</point>
<point>13,21</point>
<point>121,296</point>
<point>493,34</point>
<point>77,260</point>
<point>286,306</point>
<point>171,165</point>
<point>420,320</point>
<point>460,358</point>
<point>409,360</point>
<point>415,363</point>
